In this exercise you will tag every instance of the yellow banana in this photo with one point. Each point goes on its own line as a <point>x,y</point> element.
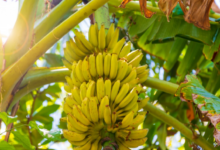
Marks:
<point>70,101</point>
<point>79,71</point>
<point>67,63</point>
<point>128,98</point>
<point>140,88</point>
<point>76,95</point>
<point>131,76</point>
<point>135,143</point>
<point>125,50</point>
<point>91,89</point>
<point>93,35</point>
<point>76,49</point>
<point>63,119</point>
<point>127,120</point>
<point>122,147</point>
<point>100,87</point>
<point>114,66</point>
<point>134,83</point>
<point>122,70</point>
<point>129,70</point>
<point>67,88</point>
<point>85,108</point>
<point>66,108</point>
<point>138,120</point>
<point>92,66</point>
<point>136,61</point>
<point>131,104</point>
<point>80,116</point>
<point>80,143</point>
<point>115,90</point>
<point>68,56</point>
<point>132,55</point>
<point>114,39</point>
<point>107,64</point>
<point>108,88</point>
<point>83,90</point>
<point>85,69</point>
<point>107,115</point>
<point>110,34</point>
<point>141,69</point>
<point>69,81</point>
<point>75,80</point>
<point>81,46</point>
<point>99,64</point>
<point>138,134</point>
<point>69,51</point>
<point>103,103</point>
<point>86,146</point>
<point>142,103</point>
<point>73,136</point>
<point>102,42</point>
<point>117,48</point>
<point>76,124</point>
<point>143,76</point>
<point>93,109</point>
<point>83,39</point>
<point>114,117</point>
<point>95,99</point>
<point>122,93</point>
<point>95,144</point>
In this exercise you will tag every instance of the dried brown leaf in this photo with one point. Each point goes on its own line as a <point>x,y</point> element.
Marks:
<point>167,6</point>
<point>143,6</point>
<point>123,3</point>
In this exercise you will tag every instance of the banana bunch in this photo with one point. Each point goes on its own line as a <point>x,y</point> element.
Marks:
<point>102,106</point>
<point>103,90</point>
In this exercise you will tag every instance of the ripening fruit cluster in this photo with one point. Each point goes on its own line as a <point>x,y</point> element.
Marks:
<point>103,90</point>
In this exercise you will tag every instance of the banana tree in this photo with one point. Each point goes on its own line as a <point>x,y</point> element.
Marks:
<point>175,106</point>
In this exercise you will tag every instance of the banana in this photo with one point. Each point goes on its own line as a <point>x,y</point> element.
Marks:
<point>73,136</point>
<point>128,120</point>
<point>135,143</point>
<point>83,39</point>
<point>115,90</point>
<point>107,64</point>
<point>91,89</point>
<point>108,88</point>
<point>128,98</point>
<point>69,51</point>
<point>122,70</point>
<point>95,99</point>
<point>117,48</point>
<point>114,39</point>
<point>92,65</point>
<point>110,34</point>
<point>80,143</point>
<point>68,56</point>
<point>70,101</point>
<point>100,88</point>
<point>86,146</point>
<point>102,41</point>
<point>140,88</point>
<point>131,104</point>
<point>142,103</point>
<point>85,108</point>
<point>76,124</point>
<point>85,69</point>
<point>138,120</point>
<point>76,95</point>
<point>114,117</point>
<point>143,76</point>
<point>76,49</point>
<point>136,61</point>
<point>135,109</point>
<point>93,35</point>
<point>122,93</point>
<point>138,134</point>
<point>83,90</point>
<point>134,83</point>
<point>80,116</point>
<point>95,144</point>
<point>81,46</point>
<point>99,64</point>
<point>104,102</point>
<point>69,81</point>
<point>132,55</point>
<point>141,69</point>
<point>67,88</point>
<point>107,115</point>
<point>93,110</point>
<point>66,108</point>
<point>79,71</point>
<point>67,63</point>
<point>125,50</point>
<point>131,76</point>
<point>75,80</point>
<point>63,119</point>
<point>122,147</point>
<point>114,66</point>
<point>129,70</point>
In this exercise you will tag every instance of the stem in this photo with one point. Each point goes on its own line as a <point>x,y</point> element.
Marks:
<point>178,126</point>
<point>102,16</point>
<point>162,85</point>
<point>50,20</point>
<point>108,142</point>
<point>27,60</point>
<point>38,77</point>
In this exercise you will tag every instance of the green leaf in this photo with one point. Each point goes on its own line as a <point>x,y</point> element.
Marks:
<point>53,135</point>
<point>43,119</point>
<point>5,146</point>
<point>161,136</point>
<point>53,59</point>
<point>48,110</point>
<point>23,139</point>
<point>7,119</point>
